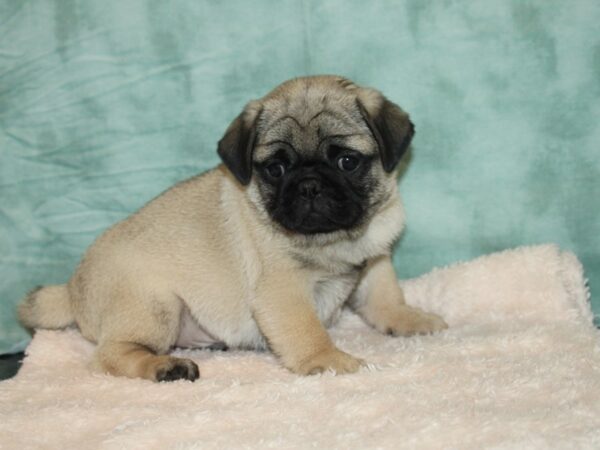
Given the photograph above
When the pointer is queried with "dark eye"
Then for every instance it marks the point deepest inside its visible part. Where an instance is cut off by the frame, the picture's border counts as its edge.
(348, 163)
(275, 169)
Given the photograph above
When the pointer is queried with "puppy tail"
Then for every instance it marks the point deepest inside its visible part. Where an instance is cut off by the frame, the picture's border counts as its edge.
(46, 307)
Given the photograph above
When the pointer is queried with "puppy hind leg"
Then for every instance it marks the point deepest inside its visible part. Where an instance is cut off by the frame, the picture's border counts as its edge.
(134, 360)
(136, 337)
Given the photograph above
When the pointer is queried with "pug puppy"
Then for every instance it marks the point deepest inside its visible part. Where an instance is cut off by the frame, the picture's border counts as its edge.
(260, 252)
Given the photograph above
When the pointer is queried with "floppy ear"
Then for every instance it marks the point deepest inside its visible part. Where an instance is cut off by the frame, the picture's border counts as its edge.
(237, 145)
(392, 130)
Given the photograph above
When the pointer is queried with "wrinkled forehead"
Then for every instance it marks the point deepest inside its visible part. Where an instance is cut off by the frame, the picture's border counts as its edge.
(309, 120)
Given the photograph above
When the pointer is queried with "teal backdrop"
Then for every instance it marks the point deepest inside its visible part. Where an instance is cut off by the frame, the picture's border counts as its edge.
(104, 104)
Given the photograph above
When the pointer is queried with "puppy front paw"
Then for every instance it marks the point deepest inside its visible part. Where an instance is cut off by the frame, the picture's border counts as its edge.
(408, 321)
(330, 359)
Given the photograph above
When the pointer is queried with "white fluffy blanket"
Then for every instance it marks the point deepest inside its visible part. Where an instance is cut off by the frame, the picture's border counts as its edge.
(519, 367)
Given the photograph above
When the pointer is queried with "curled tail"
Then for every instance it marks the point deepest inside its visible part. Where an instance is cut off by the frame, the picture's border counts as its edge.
(46, 307)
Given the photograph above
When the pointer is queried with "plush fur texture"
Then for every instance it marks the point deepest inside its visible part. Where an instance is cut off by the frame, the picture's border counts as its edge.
(519, 367)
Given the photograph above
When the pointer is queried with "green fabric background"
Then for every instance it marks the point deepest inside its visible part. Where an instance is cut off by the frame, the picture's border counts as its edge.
(104, 104)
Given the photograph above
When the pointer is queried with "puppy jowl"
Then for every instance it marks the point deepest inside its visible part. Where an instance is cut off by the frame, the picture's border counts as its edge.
(260, 252)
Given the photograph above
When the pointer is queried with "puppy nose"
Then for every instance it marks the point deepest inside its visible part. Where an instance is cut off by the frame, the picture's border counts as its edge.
(309, 188)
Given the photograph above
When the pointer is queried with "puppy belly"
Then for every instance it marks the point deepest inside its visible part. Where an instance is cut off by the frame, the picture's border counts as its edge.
(330, 294)
(192, 335)
(243, 334)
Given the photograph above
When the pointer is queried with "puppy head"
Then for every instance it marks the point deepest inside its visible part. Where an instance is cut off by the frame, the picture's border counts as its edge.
(319, 153)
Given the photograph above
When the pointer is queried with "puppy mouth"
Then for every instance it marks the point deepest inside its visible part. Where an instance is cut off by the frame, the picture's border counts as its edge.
(318, 216)
(315, 222)
(317, 200)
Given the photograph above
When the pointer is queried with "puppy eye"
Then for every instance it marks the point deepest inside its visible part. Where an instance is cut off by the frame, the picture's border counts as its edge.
(348, 163)
(275, 169)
